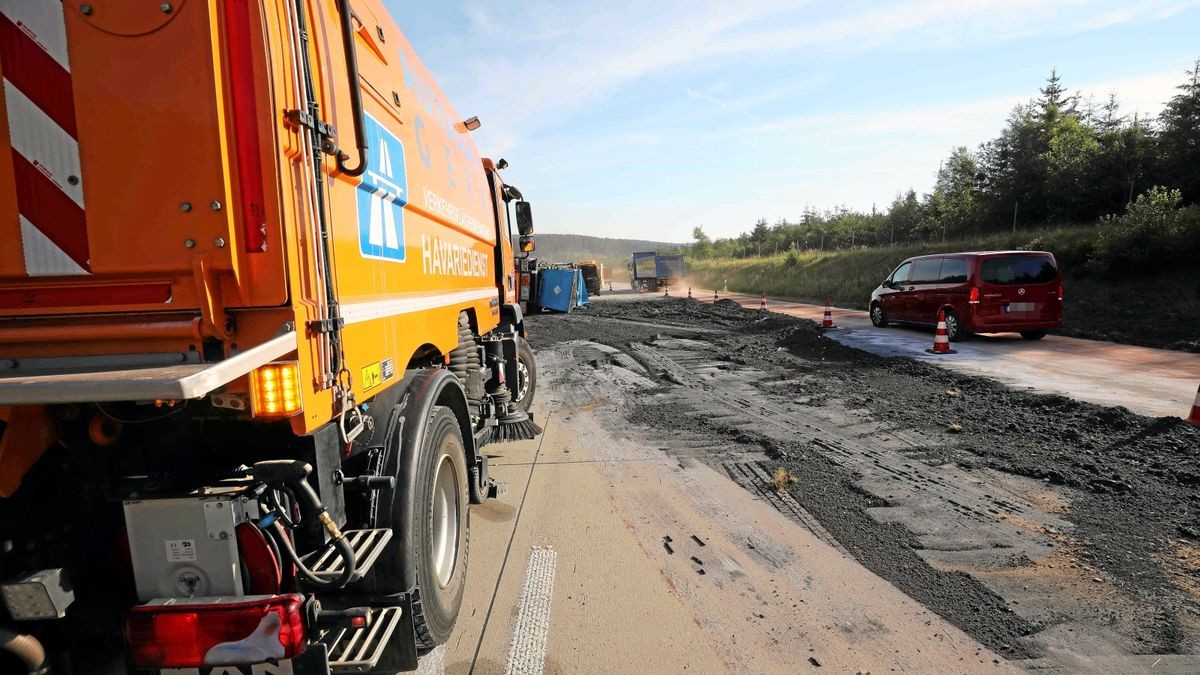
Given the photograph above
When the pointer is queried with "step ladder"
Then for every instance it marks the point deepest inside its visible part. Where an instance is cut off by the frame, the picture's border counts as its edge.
(357, 650)
(367, 545)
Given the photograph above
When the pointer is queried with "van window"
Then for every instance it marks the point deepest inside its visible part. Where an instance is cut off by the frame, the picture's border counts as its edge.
(954, 271)
(1026, 269)
(900, 276)
(926, 271)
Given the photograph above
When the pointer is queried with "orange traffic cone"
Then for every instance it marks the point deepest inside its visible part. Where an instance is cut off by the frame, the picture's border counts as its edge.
(689, 292)
(941, 341)
(827, 320)
(762, 304)
(1194, 418)
(715, 298)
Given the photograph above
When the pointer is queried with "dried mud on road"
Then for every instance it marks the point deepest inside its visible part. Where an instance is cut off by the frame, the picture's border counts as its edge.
(1045, 528)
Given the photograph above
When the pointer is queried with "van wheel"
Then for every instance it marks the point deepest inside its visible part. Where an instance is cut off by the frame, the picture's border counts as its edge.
(878, 318)
(1033, 334)
(954, 329)
(441, 519)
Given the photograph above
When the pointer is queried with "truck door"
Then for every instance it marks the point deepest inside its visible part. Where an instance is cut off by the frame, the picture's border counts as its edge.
(505, 275)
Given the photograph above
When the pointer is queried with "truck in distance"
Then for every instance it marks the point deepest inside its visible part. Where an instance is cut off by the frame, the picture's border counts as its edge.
(649, 271)
(593, 275)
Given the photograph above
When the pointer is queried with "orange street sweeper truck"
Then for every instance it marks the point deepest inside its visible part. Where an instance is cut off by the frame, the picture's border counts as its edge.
(258, 325)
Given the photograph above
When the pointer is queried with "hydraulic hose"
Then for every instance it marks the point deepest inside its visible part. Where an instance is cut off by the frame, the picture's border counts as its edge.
(27, 648)
(294, 474)
(345, 552)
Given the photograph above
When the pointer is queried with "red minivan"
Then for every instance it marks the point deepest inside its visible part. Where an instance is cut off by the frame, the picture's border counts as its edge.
(981, 292)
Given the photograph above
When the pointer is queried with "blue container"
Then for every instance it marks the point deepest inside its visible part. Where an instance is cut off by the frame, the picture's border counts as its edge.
(558, 288)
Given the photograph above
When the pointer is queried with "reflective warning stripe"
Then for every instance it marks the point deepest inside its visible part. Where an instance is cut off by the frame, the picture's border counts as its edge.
(40, 107)
(39, 140)
(378, 309)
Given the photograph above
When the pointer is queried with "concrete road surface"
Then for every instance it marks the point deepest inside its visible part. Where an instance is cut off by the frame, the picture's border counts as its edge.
(1154, 382)
(606, 556)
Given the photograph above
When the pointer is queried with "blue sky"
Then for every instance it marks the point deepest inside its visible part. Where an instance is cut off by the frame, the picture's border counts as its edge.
(645, 119)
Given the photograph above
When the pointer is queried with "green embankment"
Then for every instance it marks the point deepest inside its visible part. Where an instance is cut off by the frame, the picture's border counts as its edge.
(1156, 308)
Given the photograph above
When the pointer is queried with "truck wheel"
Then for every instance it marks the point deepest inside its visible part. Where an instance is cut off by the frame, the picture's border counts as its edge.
(526, 376)
(441, 519)
(1033, 334)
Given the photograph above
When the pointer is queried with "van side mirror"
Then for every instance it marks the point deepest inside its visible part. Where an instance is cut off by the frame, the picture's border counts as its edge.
(524, 218)
(526, 243)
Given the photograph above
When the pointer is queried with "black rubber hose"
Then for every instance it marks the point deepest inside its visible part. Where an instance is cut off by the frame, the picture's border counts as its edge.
(27, 648)
(349, 561)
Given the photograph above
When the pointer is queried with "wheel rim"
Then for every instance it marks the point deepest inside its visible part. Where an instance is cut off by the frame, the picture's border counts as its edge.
(876, 315)
(951, 326)
(522, 380)
(445, 521)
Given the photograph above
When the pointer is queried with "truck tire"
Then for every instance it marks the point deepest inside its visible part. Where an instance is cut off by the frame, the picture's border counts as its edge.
(526, 376)
(442, 520)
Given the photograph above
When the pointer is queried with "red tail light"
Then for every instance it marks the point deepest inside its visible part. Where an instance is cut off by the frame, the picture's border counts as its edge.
(216, 634)
(974, 300)
(1060, 291)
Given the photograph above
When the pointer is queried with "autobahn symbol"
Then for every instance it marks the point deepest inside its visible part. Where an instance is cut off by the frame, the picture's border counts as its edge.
(382, 195)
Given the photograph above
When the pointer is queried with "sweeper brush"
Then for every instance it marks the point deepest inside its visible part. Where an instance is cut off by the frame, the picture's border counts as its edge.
(515, 426)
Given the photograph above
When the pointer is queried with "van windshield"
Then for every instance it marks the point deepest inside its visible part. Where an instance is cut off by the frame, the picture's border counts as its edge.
(1023, 269)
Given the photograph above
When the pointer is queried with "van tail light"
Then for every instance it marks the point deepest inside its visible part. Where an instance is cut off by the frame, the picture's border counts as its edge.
(974, 299)
(1060, 291)
(216, 633)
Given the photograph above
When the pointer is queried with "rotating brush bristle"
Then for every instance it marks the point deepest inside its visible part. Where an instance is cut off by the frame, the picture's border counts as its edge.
(515, 426)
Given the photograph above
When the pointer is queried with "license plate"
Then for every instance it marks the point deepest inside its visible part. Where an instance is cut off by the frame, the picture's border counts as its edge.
(281, 668)
(1020, 307)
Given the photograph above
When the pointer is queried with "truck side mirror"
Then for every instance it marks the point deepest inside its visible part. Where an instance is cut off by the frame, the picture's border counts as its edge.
(524, 219)
(526, 243)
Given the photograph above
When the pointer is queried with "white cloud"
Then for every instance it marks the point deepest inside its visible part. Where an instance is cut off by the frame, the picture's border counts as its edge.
(572, 56)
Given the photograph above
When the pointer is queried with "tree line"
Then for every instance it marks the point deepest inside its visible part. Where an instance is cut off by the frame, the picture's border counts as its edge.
(1061, 159)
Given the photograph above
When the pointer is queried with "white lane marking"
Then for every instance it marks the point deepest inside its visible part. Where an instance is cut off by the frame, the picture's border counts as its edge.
(40, 140)
(527, 654)
(433, 663)
(365, 311)
(44, 22)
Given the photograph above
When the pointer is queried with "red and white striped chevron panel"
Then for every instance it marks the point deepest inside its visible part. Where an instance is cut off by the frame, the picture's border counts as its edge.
(40, 104)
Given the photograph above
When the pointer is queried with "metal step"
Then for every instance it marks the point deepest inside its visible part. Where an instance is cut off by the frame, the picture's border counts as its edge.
(367, 545)
(356, 650)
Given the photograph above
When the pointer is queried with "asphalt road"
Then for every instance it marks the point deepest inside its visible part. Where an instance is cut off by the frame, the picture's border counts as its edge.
(1154, 382)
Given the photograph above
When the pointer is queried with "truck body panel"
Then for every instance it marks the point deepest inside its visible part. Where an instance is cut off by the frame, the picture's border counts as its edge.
(669, 268)
(168, 237)
(644, 266)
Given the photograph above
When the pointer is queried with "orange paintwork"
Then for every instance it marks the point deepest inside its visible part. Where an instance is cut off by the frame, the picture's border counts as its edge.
(154, 114)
